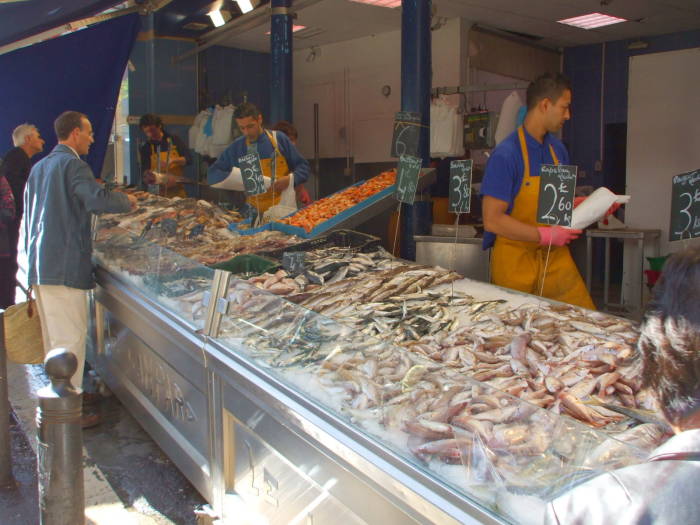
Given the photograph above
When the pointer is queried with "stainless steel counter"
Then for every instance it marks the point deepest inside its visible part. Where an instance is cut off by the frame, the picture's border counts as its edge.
(462, 254)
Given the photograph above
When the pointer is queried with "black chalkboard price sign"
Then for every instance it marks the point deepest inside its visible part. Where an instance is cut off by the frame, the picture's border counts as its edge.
(555, 203)
(407, 178)
(685, 206)
(252, 174)
(460, 195)
(293, 262)
(406, 134)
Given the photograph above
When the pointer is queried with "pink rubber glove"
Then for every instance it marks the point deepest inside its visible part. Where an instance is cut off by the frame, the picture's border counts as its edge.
(556, 235)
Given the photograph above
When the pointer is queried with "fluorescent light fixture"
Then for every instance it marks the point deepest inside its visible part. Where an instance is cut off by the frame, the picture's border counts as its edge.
(216, 18)
(380, 3)
(245, 5)
(592, 21)
(295, 28)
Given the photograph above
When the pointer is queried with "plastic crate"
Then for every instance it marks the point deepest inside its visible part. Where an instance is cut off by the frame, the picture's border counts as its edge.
(345, 238)
(247, 265)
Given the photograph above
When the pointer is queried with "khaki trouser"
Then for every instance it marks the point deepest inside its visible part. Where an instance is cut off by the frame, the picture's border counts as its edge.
(64, 322)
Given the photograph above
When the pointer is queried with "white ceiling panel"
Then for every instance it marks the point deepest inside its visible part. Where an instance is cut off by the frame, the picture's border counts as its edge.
(337, 20)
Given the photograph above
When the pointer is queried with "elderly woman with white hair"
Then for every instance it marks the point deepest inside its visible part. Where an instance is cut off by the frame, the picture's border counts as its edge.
(664, 489)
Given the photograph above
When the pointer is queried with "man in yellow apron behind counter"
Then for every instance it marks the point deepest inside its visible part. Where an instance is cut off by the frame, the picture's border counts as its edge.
(273, 147)
(163, 158)
(527, 256)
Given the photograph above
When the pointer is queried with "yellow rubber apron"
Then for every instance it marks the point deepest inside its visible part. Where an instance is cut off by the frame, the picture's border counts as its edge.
(520, 265)
(159, 163)
(263, 201)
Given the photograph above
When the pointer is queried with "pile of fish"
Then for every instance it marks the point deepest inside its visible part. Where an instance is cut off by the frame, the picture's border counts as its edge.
(559, 357)
(178, 218)
(499, 437)
(192, 228)
(324, 266)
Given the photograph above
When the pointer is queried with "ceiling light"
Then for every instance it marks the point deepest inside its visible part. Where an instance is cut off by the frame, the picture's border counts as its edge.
(380, 3)
(295, 28)
(245, 6)
(592, 21)
(216, 18)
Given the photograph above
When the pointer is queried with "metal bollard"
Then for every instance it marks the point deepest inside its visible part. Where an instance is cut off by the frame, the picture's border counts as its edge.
(60, 444)
(6, 479)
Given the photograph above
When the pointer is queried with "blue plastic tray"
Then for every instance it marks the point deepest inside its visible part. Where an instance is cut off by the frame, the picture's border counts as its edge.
(336, 220)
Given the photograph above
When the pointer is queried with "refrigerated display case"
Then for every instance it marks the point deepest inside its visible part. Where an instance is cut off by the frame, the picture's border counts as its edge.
(278, 414)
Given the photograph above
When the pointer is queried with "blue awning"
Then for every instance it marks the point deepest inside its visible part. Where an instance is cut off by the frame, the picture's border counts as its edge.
(27, 18)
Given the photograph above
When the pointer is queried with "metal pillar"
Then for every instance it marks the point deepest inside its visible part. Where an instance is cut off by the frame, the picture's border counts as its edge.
(416, 82)
(60, 444)
(281, 54)
(6, 478)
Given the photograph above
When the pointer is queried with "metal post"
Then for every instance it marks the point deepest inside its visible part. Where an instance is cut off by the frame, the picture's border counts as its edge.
(60, 444)
(416, 82)
(281, 48)
(6, 478)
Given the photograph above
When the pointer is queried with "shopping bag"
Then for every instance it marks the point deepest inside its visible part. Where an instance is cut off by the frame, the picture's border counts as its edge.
(23, 340)
(286, 206)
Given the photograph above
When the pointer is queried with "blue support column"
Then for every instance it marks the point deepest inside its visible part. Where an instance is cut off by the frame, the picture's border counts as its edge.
(416, 82)
(281, 50)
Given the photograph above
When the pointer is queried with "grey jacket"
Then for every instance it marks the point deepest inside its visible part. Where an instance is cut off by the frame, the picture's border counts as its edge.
(60, 196)
(665, 489)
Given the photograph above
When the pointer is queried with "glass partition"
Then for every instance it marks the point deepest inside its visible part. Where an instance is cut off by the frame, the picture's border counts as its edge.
(503, 453)
(171, 280)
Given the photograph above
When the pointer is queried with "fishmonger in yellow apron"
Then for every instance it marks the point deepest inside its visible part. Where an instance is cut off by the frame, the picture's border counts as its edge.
(263, 201)
(520, 265)
(159, 163)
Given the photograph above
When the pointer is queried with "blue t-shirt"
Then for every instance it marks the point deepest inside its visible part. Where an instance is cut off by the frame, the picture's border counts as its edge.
(505, 169)
(229, 158)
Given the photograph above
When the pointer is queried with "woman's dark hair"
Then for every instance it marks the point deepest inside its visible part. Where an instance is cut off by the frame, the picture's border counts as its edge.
(549, 85)
(149, 119)
(66, 122)
(287, 128)
(670, 337)
(246, 110)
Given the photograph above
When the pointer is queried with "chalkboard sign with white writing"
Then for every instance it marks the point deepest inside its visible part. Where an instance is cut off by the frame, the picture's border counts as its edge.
(555, 203)
(460, 195)
(406, 134)
(293, 262)
(251, 172)
(685, 206)
(407, 178)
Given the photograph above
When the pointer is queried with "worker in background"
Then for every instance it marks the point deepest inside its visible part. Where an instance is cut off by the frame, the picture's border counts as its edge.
(527, 256)
(273, 147)
(291, 131)
(664, 488)
(163, 158)
(15, 169)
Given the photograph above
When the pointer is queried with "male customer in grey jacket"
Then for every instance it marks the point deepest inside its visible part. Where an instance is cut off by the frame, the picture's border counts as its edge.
(60, 196)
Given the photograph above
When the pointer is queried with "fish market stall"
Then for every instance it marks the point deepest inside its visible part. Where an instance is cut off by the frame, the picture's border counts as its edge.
(363, 389)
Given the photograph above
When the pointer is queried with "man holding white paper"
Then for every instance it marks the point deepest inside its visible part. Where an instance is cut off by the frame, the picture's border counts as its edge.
(527, 256)
(276, 153)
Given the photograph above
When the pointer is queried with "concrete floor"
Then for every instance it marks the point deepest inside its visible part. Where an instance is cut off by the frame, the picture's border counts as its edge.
(128, 479)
